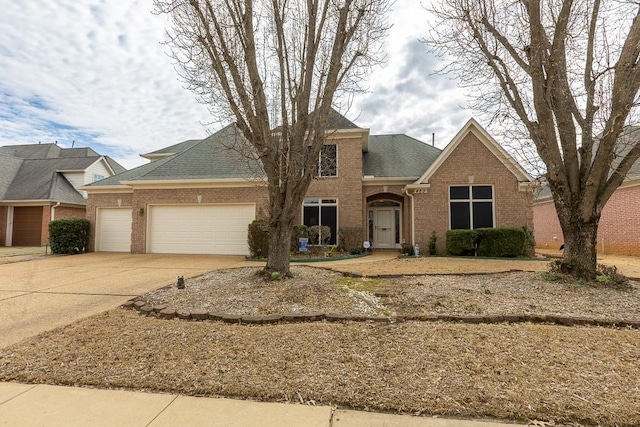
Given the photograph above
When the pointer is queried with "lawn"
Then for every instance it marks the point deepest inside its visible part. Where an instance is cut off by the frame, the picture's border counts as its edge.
(511, 371)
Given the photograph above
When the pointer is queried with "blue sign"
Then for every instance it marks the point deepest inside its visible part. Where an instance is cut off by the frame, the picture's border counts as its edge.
(303, 244)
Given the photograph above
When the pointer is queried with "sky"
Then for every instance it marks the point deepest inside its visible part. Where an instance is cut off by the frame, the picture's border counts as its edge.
(94, 73)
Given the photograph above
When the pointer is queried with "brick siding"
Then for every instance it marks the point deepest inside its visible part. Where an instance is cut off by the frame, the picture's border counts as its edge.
(618, 231)
(470, 159)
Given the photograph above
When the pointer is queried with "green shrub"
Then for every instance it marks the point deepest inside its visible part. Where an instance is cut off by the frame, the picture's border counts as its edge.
(69, 235)
(319, 234)
(461, 242)
(258, 239)
(432, 243)
(350, 239)
(501, 242)
(299, 231)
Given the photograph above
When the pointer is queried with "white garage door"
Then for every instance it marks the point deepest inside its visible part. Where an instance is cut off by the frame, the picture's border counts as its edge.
(200, 229)
(113, 232)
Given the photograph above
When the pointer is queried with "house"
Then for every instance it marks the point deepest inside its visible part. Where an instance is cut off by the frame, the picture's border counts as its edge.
(39, 183)
(199, 196)
(619, 227)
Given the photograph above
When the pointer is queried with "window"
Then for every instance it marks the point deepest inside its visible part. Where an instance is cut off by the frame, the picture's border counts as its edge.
(471, 206)
(97, 177)
(321, 212)
(327, 161)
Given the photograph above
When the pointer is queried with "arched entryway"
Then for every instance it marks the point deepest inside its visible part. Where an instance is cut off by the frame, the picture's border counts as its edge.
(384, 222)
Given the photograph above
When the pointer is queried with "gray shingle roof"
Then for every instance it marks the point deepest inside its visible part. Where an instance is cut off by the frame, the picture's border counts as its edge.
(209, 158)
(176, 148)
(397, 156)
(32, 172)
(37, 179)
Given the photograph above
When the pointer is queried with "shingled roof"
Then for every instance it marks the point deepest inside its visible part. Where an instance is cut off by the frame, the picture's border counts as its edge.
(397, 156)
(215, 157)
(34, 172)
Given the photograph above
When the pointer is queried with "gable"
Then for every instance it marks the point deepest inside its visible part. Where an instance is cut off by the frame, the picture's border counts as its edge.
(471, 150)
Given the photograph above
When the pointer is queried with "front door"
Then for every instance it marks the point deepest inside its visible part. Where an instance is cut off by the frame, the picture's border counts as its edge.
(384, 228)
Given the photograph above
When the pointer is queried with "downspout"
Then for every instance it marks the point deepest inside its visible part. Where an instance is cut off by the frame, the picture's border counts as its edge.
(413, 217)
(53, 211)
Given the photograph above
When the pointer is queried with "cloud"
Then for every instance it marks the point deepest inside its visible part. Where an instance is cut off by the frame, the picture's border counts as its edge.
(96, 73)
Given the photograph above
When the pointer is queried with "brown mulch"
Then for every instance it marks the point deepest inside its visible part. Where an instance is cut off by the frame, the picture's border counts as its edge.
(586, 375)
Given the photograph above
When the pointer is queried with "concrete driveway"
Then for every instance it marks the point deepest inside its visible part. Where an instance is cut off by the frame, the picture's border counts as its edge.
(44, 293)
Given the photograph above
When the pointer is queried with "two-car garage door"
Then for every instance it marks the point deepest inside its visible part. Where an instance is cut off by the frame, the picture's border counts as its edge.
(199, 229)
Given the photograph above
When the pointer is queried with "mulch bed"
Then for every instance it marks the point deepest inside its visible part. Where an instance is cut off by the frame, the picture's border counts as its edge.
(579, 375)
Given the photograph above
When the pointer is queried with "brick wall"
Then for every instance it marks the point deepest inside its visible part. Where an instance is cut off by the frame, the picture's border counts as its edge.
(347, 186)
(143, 198)
(470, 163)
(618, 231)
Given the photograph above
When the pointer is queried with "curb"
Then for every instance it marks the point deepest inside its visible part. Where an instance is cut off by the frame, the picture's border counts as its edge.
(162, 312)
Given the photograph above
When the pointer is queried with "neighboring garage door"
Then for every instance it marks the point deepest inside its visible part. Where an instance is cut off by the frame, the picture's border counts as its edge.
(200, 229)
(113, 230)
(27, 226)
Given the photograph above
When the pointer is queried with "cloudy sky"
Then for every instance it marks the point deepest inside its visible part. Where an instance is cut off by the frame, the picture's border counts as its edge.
(95, 72)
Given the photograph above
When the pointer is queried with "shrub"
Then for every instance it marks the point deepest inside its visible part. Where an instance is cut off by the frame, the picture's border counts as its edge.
(69, 235)
(501, 242)
(299, 231)
(258, 239)
(319, 234)
(406, 249)
(350, 239)
(461, 242)
(432, 243)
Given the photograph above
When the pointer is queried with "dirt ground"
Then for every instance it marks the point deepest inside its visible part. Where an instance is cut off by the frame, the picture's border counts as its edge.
(536, 373)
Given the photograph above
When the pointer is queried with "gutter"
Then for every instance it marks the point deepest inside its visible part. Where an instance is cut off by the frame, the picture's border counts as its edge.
(53, 211)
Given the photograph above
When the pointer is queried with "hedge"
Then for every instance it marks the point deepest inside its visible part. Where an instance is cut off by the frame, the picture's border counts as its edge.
(69, 235)
(258, 239)
(487, 242)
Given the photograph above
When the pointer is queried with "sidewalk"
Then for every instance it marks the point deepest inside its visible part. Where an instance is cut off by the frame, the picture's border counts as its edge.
(45, 405)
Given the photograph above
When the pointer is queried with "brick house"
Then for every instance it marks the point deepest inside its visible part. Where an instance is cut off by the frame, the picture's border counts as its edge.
(199, 196)
(39, 183)
(619, 227)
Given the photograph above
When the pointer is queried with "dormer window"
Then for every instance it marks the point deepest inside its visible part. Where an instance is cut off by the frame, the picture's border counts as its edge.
(97, 177)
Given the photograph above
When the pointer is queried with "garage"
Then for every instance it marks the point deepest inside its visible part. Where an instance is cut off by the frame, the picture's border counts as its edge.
(113, 230)
(219, 229)
(27, 226)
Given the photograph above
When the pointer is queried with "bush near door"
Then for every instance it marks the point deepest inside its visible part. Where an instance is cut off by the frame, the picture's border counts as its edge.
(68, 235)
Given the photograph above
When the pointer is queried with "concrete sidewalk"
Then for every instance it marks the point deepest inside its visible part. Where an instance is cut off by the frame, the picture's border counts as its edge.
(45, 405)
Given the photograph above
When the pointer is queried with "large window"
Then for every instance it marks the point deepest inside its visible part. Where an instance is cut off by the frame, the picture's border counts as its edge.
(327, 161)
(321, 212)
(471, 206)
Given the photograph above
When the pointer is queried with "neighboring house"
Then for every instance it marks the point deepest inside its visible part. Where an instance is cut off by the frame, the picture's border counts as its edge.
(619, 227)
(38, 183)
(199, 196)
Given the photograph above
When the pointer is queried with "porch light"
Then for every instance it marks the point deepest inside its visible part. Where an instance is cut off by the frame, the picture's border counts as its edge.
(180, 284)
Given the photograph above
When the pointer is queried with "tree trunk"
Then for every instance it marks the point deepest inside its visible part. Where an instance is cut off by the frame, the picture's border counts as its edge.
(279, 247)
(580, 247)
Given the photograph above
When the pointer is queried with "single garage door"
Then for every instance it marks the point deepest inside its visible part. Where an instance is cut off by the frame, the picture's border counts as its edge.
(200, 229)
(27, 226)
(113, 230)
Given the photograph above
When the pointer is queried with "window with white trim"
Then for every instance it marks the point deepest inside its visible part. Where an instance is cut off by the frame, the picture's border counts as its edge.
(97, 177)
(471, 206)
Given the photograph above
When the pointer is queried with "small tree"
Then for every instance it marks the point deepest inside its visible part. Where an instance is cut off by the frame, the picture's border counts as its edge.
(274, 67)
(567, 74)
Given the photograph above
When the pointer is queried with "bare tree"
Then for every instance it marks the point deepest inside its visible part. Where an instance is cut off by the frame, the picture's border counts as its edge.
(274, 68)
(567, 72)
